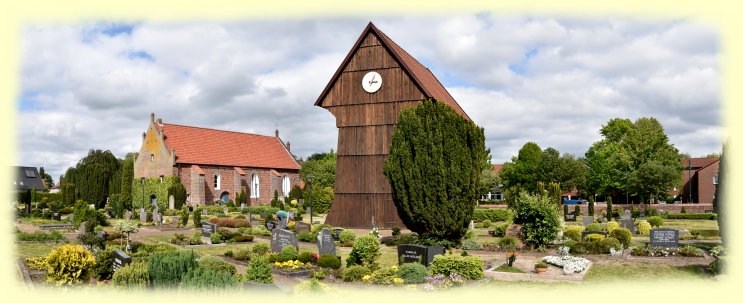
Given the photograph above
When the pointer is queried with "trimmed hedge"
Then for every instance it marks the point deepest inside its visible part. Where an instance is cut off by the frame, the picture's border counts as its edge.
(469, 267)
(132, 275)
(494, 215)
(693, 216)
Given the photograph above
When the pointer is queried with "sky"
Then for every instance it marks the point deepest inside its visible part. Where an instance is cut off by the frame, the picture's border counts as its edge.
(553, 80)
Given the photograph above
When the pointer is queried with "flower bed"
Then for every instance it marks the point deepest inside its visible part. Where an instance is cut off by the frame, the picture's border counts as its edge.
(292, 269)
(568, 263)
(686, 251)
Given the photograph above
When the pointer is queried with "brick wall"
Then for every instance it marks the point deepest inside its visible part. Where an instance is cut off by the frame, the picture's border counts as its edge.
(673, 208)
(201, 188)
(154, 159)
(705, 187)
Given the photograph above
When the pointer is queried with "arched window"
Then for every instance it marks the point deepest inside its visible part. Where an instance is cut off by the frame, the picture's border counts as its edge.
(255, 185)
(286, 186)
(225, 197)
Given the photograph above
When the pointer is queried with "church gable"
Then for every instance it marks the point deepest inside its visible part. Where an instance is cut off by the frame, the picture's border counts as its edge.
(154, 158)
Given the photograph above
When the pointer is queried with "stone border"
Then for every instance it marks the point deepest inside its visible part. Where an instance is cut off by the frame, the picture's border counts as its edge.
(537, 277)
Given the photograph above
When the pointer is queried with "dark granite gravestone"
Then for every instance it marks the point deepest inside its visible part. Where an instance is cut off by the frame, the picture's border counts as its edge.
(281, 238)
(56, 216)
(208, 228)
(120, 259)
(102, 234)
(128, 215)
(586, 233)
(301, 226)
(337, 233)
(271, 225)
(142, 215)
(570, 217)
(628, 224)
(587, 220)
(325, 243)
(664, 237)
(407, 253)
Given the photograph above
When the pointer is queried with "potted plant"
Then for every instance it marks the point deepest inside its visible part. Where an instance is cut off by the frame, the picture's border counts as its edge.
(540, 267)
(511, 258)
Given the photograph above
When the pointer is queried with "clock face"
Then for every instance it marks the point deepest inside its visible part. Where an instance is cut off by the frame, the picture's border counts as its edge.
(371, 82)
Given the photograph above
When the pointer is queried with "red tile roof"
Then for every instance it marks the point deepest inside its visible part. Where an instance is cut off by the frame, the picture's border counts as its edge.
(497, 168)
(199, 170)
(698, 163)
(196, 145)
(240, 171)
(421, 75)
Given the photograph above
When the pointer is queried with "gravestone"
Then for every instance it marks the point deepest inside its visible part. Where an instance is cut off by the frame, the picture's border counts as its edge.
(71, 217)
(102, 234)
(281, 238)
(587, 220)
(337, 233)
(569, 217)
(628, 224)
(626, 215)
(408, 253)
(325, 243)
(664, 237)
(128, 215)
(120, 259)
(142, 215)
(270, 225)
(174, 220)
(156, 216)
(226, 211)
(208, 228)
(82, 227)
(301, 226)
(301, 201)
(472, 225)
(586, 233)
(171, 202)
(56, 216)
(242, 205)
(204, 212)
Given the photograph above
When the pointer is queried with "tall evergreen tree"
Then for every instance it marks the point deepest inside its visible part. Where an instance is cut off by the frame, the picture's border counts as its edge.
(434, 168)
(93, 175)
(127, 175)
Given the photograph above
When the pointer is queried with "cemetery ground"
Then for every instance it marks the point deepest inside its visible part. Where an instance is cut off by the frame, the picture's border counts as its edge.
(604, 268)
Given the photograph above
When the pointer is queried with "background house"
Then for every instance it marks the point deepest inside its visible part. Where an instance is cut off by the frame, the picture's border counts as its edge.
(700, 177)
(28, 178)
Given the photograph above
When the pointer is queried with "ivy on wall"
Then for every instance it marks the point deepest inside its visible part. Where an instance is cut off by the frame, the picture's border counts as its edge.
(152, 186)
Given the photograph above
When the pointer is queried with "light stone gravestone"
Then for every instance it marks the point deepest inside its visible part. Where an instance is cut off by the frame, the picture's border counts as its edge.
(626, 215)
(82, 227)
(472, 225)
(156, 216)
(204, 212)
(226, 211)
(587, 220)
(325, 243)
(71, 217)
(171, 202)
(174, 220)
(628, 224)
(242, 205)
(128, 215)
(281, 238)
(142, 215)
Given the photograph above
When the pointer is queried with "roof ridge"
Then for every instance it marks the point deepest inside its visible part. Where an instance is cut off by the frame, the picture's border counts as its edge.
(219, 130)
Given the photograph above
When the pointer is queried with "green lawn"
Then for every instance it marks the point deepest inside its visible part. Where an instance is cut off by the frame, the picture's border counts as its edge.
(645, 272)
(690, 224)
(34, 249)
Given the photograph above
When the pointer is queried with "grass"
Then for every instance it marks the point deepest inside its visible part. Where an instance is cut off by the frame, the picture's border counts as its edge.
(645, 272)
(690, 224)
(506, 268)
(34, 249)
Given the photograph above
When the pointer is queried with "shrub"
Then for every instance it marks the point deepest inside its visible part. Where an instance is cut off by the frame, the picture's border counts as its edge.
(576, 210)
(204, 278)
(184, 216)
(197, 217)
(229, 253)
(384, 276)
(229, 222)
(103, 268)
(643, 228)
(329, 261)
(469, 267)
(610, 226)
(69, 264)
(492, 214)
(259, 271)
(573, 232)
(623, 235)
(594, 238)
(306, 257)
(288, 253)
(608, 243)
(261, 248)
(469, 234)
(242, 238)
(167, 268)
(691, 251)
(655, 221)
(216, 238)
(508, 243)
(500, 229)
(133, 275)
(651, 211)
(395, 232)
(593, 227)
(243, 255)
(365, 251)
(487, 223)
(693, 216)
(346, 236)
(54, 235)
(195, 238)
(565, 209)
(608, 208)
(471, 244)
(355, 273)
(591, 206)
(217, 264)
(306, 236)
(412, 273)
(539, 219)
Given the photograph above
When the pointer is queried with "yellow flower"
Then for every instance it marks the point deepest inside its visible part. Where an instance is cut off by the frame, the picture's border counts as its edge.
(398, 280)
(366, 278)
(277, 264)
(394, 267)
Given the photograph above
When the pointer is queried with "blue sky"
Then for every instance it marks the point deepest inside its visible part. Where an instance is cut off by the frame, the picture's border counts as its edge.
(550, 80)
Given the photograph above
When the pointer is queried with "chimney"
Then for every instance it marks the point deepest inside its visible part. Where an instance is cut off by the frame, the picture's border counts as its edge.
(152, 117)
(289, 146)
(277, 133)
(160, 121)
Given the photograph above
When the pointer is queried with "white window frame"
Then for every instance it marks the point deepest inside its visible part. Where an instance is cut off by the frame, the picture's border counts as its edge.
(286, 185)
(217, 181)
(255, 186)
(715, 180)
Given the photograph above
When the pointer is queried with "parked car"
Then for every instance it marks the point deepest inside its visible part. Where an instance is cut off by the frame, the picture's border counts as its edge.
(572, 202)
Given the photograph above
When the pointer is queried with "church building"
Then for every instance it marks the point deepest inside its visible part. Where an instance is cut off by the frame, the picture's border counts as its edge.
(217, 164)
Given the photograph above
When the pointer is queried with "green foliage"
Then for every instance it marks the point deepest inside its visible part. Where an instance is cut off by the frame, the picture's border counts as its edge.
(591, 206)
(103, 268)
(178, 192)
(68, 193)
(167, 268)
(306, 236)
(574, 232)
(216, 264)
(127, 177)
(500, 229)
(259, 270)
(132, 275)
(610, 226)
(365, 252)
(594, 227)
(197, 217)
(288, 253)
(355, 273)
(492, 214)
(469, 267)
(623, 235)
(347, 236)
(184, 215)
(92, 176)
(69, 264)
(38, 235)
(153, 186)
(576, 211)
(261, 248)
(487, 223)
(533, 166)
(243, 255)
(609, 212)
(329, 261)
(208, 279)
(241, 197)
(594, 237)
(693, 216)
(539, 219)
(306, 257)
(508, 243)
(383, 276)
(655, 221)
(434, 167)
(412, 273)
(471, 244)
(322, 168)
(643, 228)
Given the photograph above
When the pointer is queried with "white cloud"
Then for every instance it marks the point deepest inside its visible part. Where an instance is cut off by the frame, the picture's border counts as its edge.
(551, 80)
